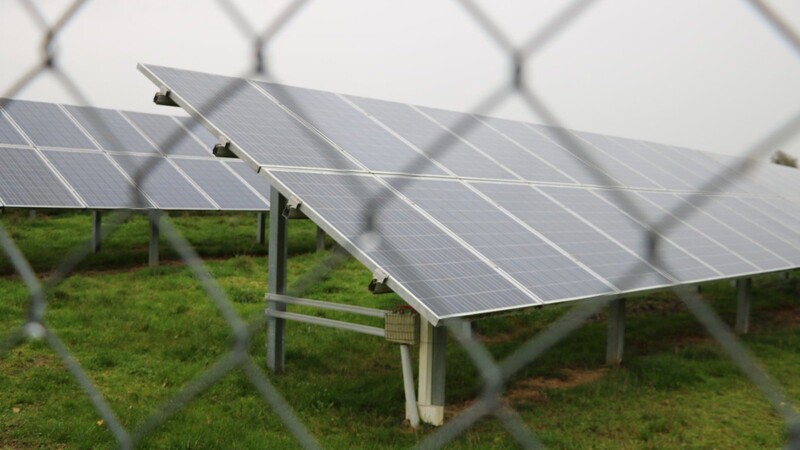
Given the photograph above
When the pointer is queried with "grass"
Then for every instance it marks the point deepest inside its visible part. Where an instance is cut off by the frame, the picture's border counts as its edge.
(142, 333)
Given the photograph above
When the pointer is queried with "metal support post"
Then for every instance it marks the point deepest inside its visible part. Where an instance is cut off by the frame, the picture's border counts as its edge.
(154, 237)
(412, 414)
(432, 363)
(96, 236)
(786, 275)
(744, 289)
(320, 239)
(261, 230)
(616, 332)
(32, 214)
(278, 254)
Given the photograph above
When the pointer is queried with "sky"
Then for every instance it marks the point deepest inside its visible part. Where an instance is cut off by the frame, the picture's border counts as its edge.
(709, 75)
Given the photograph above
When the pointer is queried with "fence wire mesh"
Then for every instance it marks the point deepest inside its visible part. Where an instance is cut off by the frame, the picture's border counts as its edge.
(495, 374)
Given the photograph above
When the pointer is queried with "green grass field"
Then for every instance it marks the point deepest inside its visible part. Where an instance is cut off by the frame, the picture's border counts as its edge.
(142, 333)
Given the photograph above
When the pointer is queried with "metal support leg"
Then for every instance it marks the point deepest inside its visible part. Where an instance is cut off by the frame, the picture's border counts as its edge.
(744, 290)
(32, 214)
(261, 230)
(412, 414)
(432, 363)
(154, 237)
(786, 275)
(616, 332)
(278, 253)
(320, 239)
(96, 237)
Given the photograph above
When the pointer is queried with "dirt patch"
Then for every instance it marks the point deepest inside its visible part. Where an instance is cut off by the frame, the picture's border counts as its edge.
(530, 390)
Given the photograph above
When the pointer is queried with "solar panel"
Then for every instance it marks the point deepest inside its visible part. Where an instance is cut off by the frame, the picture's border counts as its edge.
(27, 181)
(645, 161)
(691, 239)
(683, 266)
(530, 219)
(254, 180)
(619, 164)
(547, 150)
(545, 271)
(47, 125)
(110, 130)
(617, 264)
(352, 131)
(96, 179)
(714, 226)
(225, 188)
(253, 121)
(9, 135)
(440, 274)
(169, 137)
(199, 131)
(157, 178)
(433, 140)
(715, 206)
(512, 156)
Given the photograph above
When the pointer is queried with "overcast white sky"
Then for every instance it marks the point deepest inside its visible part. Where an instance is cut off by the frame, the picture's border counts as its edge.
(703, 74)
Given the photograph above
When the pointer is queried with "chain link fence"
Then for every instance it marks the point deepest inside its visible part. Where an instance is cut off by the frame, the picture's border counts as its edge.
(494, 373)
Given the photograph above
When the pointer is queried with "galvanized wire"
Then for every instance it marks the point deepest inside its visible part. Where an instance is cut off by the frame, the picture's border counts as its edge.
(495, 374)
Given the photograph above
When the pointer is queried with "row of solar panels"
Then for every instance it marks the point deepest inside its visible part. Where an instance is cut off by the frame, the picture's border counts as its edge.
(503, 216)
(57, 156)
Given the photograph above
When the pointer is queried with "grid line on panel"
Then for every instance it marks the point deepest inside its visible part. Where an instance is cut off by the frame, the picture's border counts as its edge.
(347, 126)
(626, 166)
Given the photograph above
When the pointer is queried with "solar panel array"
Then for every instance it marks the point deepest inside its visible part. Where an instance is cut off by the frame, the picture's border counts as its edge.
(476, 215)
(58, 156)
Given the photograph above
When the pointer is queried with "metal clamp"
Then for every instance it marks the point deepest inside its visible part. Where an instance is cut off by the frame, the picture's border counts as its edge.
(378, 283)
